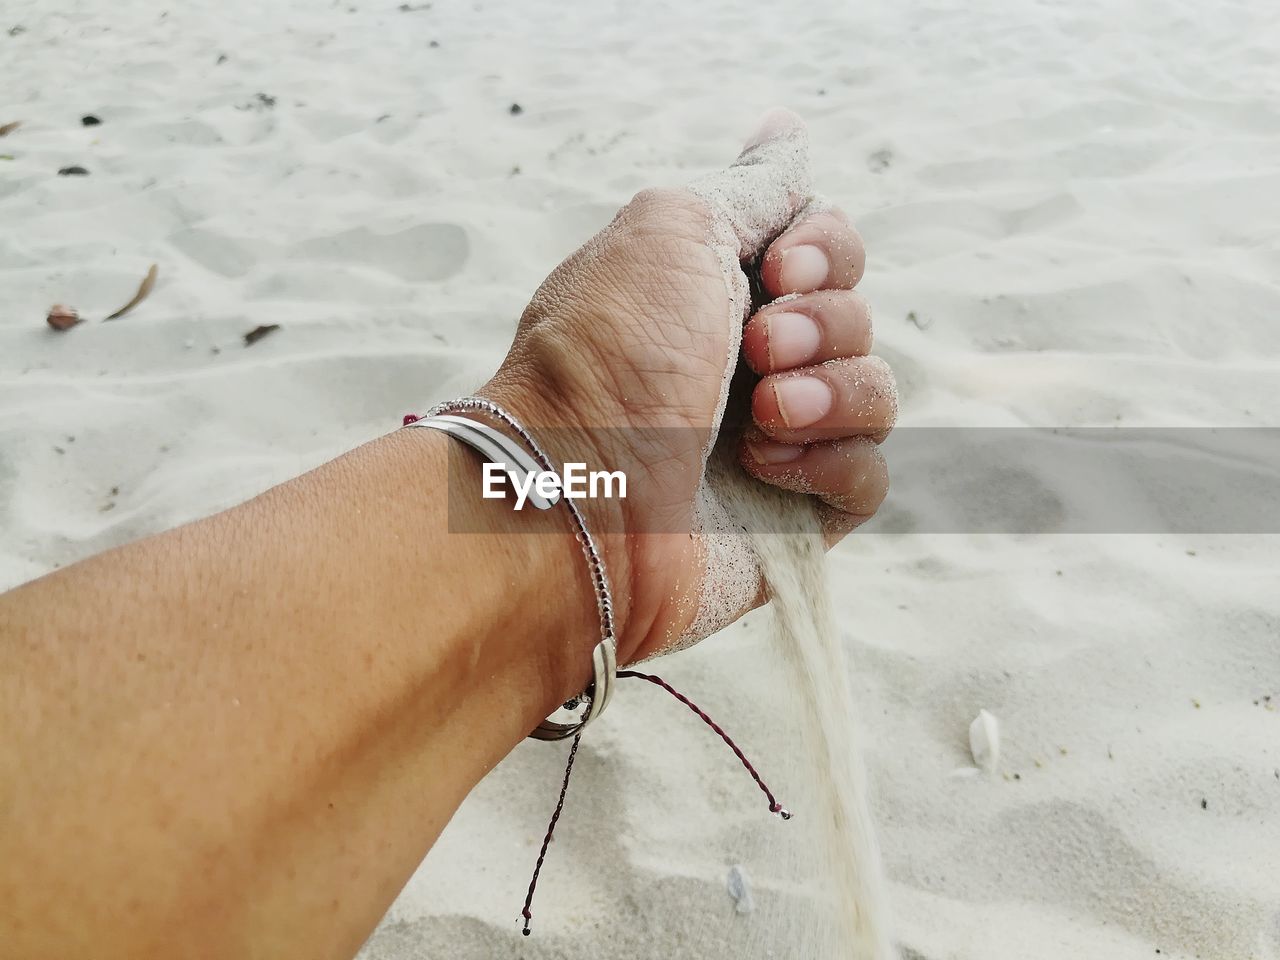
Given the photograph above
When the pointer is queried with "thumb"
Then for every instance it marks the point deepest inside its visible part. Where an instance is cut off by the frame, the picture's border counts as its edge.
(769, 183)
(776, 124)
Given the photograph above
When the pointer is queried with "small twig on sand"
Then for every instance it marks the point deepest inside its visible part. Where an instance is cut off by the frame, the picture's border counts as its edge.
(257, 333)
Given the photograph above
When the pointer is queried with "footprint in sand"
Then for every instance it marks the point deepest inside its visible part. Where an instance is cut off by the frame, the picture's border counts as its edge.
(428, 251)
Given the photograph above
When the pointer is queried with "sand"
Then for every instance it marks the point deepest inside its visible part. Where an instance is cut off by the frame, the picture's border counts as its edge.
(1077, 205)
(836, 851)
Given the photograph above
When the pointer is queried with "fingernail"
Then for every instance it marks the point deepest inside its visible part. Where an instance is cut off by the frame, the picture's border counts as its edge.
(792, 339)
(803, 400)
(770, 453)
(804, 268)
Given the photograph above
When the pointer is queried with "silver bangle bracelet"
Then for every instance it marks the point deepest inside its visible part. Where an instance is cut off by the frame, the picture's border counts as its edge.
(496, 447)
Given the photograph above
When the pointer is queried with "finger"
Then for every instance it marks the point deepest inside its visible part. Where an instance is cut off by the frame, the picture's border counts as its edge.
(821, 252)
(814, 328)
(764, 189)
(839, 398)
(836, 524)
(849, 475)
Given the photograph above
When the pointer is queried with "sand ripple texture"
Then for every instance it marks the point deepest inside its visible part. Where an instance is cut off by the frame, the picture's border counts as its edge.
(1077, 204)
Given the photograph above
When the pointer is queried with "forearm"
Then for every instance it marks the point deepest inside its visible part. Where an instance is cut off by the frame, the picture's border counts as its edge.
(245, 733)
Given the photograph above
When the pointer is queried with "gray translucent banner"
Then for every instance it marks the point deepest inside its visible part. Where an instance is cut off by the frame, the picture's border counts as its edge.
(1083, 480)
(977, 480)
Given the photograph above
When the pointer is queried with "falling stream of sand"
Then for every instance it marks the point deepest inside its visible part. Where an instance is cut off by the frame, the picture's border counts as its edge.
(750, 531)
(848, 913)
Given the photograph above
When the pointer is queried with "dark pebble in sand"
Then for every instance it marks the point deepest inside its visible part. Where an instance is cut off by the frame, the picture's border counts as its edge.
(880, 160)
(73, 172)
(89, 120)
(260, 101)
(222, 58)
(515, 109)
(257, 333)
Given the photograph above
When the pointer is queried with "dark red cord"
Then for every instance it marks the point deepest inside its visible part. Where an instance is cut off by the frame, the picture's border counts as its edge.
(546, 841)
(774, 805)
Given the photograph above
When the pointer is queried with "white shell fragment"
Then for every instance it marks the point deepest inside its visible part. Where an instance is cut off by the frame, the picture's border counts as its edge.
(740, 889)
(984, 741)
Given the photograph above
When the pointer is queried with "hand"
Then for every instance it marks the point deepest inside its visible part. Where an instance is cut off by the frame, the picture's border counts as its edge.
(629, 346)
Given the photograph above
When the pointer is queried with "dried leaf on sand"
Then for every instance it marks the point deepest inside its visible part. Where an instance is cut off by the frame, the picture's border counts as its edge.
(148, 284)
(8, 128)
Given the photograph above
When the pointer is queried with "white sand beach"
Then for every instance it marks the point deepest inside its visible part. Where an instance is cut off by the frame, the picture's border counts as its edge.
(1070, 213)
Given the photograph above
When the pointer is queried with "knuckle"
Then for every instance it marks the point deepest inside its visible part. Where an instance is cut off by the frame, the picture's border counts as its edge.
(880, 383)
(855, 318)
(651, 197)
(668, 210)
(866, 482)
(658, 201)
(879, 373)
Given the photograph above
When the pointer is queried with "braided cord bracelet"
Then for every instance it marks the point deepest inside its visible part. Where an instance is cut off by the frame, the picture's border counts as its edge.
(498, 448)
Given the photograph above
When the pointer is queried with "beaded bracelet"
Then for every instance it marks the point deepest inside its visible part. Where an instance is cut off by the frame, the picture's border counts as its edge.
(498, 448)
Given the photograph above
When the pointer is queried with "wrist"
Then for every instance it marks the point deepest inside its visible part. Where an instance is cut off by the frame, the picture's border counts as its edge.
(515, 584)
(552, 422)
